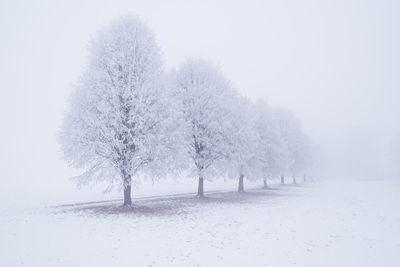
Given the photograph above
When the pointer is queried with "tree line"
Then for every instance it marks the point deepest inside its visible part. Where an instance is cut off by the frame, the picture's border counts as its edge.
(129, 118)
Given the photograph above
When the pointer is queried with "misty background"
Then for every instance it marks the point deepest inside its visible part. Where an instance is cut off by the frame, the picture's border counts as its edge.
(335, 64)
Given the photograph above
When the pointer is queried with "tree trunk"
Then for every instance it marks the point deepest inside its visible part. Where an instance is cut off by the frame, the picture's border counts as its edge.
(241, 186)
(294, 180)
(127, 190)
(282, 179)
(200, 190)
(265, 183)
(127, 195)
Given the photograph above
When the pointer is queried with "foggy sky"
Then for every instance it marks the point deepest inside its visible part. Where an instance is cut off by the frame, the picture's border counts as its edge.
(335, 64)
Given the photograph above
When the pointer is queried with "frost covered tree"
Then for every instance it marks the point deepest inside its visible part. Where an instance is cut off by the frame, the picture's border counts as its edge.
(271, 147)
(244, 156)
(205, 103)
(120, 125)
(293, 136)
(304, 162)
(299, 150)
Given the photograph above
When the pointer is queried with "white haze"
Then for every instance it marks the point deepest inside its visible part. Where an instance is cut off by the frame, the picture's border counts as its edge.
(335, 64)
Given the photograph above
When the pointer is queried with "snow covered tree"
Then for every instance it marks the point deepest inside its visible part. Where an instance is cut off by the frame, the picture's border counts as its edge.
(243, 157)
(304, 162)
(205, 96)
(120, 125)
(299, 150)
(293, 136)
(272, 148)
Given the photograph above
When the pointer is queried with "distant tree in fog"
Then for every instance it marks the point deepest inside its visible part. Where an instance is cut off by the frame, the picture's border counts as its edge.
(295, 140)
(120, 124)
(272, 149)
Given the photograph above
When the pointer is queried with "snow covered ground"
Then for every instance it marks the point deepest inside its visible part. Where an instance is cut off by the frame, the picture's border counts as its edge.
(346, 223)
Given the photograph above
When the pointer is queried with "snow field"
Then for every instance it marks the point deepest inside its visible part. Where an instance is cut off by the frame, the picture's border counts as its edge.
(325, 224)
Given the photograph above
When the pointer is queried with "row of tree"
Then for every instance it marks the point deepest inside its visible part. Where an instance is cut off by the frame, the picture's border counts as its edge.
(129, 118)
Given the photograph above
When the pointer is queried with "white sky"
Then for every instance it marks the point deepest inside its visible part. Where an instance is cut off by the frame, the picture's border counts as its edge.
(335, 64)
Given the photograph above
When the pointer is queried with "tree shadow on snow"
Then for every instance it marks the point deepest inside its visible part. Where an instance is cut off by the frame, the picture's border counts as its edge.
(172, 206)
